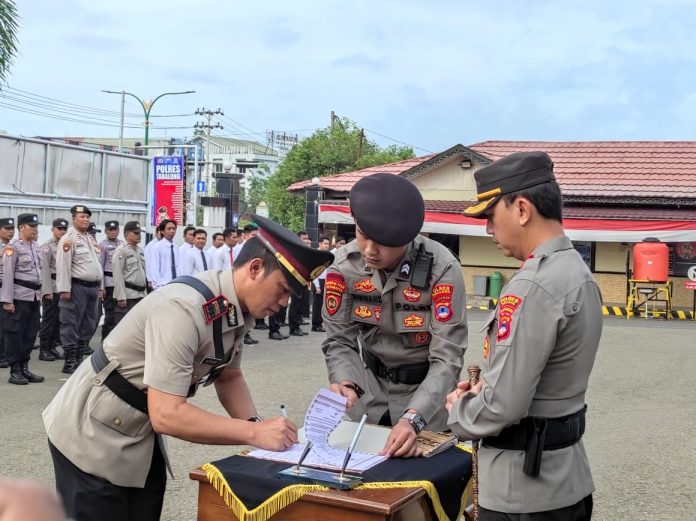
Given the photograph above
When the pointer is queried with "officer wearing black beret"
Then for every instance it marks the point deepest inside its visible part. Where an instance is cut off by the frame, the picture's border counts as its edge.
(49, 333)
(103, 441)
(395, 313)
(7, 230)
(528, 409)
(21, 296)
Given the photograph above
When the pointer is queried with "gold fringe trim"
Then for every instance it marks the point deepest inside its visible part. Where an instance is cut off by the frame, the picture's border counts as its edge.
(292, 493)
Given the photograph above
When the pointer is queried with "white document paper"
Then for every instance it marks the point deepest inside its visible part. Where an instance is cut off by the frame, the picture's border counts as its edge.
(323, 417)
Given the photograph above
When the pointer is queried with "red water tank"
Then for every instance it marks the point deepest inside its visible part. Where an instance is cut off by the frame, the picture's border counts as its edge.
(650, 260)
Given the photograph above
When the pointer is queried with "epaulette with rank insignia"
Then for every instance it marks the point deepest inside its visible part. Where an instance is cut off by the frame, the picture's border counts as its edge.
(215, 308)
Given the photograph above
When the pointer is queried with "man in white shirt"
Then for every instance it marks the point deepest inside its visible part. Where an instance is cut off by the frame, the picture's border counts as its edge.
(223, 256)
(318, 291)
(149, 261)
(195, 260)
(250, 230)
(185, 246)
(166, 264)
(216, 242)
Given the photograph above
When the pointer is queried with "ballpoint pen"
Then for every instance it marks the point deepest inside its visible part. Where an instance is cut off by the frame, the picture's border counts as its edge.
(353, 443)
(305, 452)
(283, 411)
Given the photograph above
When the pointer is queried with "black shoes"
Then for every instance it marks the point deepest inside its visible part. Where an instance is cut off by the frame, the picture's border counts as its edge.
(46, 355)
(250, 341)
(277, 335)
(319, 329)
(31, 377)
(261, 326)
(297, 332)
(56, 353)
(16, 375)
(70, 363)
(4, 364)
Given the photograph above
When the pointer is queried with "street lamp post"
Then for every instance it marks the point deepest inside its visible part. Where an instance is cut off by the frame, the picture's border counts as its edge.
(147, 107)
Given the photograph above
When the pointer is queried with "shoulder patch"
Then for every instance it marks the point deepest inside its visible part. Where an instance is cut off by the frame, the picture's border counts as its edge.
(9, 251)
(334, 288)
(67, 244)
(506, 308)
(46, 249)
(486, 347)
(442, 301)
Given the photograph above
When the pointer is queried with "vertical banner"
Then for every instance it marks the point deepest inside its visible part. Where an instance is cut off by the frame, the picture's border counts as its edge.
(169, 189)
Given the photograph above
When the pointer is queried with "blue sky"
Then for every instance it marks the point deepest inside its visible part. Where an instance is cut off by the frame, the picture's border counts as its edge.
(431, 74)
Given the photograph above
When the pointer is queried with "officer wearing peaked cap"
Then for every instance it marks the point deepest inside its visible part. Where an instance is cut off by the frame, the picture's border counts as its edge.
(128, 263)
(107, 247)
(7, 230)
(21, 296)
(79, 281)
(49, 333)
(395, 315)
(529, 408)
(108, 444)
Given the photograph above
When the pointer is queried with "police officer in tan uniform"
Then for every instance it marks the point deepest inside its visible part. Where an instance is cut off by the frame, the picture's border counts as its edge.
(108, 246)
(128, 265)
(529, 408)
(49, 333)
(79, 281)
(105, 431)
(395, 315)
(21, 299)
(7, 230)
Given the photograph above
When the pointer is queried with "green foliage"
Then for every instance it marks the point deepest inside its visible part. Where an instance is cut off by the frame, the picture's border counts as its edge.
(327, 151)
(8, 35)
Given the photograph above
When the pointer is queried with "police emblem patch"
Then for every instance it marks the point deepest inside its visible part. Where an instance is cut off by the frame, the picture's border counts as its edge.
(442, 301)
(486, 347)
(412, 294)
(421, 338)
(414, 320)
(364, 286)
(334, 288)
(363, 312)
(67, 244)
(9, 251)
(506, 307)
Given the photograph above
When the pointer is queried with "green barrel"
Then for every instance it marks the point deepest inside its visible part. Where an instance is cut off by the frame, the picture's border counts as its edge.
(495, 284)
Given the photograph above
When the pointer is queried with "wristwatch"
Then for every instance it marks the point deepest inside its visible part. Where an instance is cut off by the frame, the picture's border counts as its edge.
(255, 418)
(416, 421)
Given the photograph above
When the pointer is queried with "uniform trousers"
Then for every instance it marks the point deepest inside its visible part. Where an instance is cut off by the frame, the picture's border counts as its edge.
(21, 328)
(49, 332)
(119, 313)
(79, 316)
(317, 303)
(297, 304)
(2, 335)
(275, 320)
(87, 497)
(109, 307)
(580, 511)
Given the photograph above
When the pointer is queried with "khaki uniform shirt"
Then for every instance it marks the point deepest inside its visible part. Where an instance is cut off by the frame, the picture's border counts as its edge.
(539, 349)
(400, 325)
(20, 261)
(161, 344)
(105, 255)
(77, 256)
(48, 267)
(2, 254)
(128, 264)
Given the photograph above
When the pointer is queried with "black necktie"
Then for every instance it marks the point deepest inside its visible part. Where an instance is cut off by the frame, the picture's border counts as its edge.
(205, 262)
(173, 263)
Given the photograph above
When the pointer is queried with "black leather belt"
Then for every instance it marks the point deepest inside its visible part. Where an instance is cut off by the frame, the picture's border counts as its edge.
(36, 286)
(535, 435)
(87, 284)
(108, 274)
(403, 374)
(118, 385)
(134, 287)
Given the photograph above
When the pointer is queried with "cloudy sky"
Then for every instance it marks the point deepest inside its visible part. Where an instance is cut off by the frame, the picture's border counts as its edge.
(430, 74)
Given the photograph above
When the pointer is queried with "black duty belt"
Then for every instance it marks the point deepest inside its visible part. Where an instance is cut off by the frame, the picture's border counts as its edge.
(118, 385)
(36, 286)
(87, 284)
(403, 374)
(134, 287)
(535, 435)
(109, 274)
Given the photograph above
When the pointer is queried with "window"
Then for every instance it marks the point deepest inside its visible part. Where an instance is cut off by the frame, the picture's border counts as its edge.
(586, 251)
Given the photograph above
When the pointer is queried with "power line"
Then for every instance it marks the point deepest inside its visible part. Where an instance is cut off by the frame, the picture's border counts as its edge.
(400, 142)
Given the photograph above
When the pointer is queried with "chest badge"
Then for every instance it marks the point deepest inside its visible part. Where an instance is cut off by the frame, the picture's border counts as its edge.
(363, 312)
(215, 308)
(364, 286)
(414, 320)
(412, 294)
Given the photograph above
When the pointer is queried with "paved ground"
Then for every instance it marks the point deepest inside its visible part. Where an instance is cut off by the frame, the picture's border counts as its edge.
(640, 435)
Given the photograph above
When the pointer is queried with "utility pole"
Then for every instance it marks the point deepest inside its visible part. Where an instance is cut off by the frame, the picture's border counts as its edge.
(208, 114)
(361, 138)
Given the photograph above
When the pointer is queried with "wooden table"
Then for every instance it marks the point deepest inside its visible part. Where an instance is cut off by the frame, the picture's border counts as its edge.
(395, 504)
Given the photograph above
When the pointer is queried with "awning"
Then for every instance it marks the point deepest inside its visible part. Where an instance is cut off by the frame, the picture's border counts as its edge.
(593, 230)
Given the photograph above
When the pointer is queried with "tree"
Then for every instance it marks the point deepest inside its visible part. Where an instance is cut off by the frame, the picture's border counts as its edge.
(327, 151)
(8, 35)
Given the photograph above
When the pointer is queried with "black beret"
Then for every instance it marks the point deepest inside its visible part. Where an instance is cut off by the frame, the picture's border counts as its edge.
(387, 208)
(509, 174)
(60, 223)
(111, 224)
(92, 228)
(80, 208)
(28, 218)
(6, 222)
(131, 226)
(299, 263)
